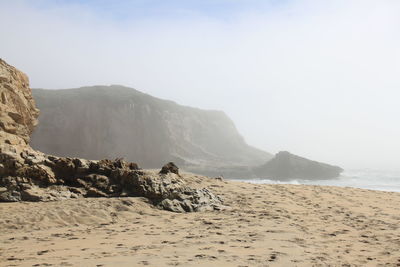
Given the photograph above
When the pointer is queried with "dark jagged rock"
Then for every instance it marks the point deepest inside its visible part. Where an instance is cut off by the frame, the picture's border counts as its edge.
(29, 175)
(286, 166)
(34, 176)
(169, 168)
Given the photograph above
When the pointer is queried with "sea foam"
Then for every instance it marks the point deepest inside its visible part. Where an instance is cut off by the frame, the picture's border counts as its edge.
(365, 179)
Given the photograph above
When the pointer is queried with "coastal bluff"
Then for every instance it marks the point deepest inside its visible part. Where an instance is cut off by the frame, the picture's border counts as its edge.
(97, 122)
(116, 121)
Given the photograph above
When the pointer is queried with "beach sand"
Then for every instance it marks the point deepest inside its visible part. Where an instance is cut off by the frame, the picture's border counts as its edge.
(264, 225)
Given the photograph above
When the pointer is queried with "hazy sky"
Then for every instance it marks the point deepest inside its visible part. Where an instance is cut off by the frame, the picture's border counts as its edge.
(318, 78)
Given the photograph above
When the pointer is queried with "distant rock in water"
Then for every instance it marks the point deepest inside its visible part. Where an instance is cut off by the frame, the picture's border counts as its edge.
(286, 166)
(115, 121)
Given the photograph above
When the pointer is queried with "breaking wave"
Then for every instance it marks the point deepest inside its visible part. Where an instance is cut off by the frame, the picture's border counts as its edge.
(365, 179)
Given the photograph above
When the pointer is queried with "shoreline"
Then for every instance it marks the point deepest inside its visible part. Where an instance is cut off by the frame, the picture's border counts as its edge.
(345, 181)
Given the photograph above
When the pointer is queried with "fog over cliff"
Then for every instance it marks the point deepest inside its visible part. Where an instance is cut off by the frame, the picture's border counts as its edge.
(317, 78)
(100, 122)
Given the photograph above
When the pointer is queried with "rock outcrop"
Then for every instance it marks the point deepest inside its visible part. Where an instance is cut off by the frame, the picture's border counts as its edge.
(286, 166)
(33, 176)
(115, 121)
(18, 114)
(170, 168)
(29, 175)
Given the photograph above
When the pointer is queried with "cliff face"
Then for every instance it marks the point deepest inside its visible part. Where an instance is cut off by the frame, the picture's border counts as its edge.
(114, 121)
(286, 166)
(18, 114)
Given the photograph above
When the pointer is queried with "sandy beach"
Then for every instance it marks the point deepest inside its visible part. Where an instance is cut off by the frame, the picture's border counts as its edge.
(263, 225)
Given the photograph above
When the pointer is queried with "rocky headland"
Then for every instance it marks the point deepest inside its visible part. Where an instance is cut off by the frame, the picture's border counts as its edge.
(30, 175)
(116, 121)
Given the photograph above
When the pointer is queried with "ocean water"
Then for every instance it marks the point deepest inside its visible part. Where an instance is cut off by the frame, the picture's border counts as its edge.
(365, 179)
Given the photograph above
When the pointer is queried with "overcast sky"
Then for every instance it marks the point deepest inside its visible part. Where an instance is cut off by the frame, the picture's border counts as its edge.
(318, 78)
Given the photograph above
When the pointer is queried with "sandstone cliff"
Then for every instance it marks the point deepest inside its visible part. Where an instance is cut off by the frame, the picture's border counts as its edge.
(29, 175)
(115, 121)
(18, 114)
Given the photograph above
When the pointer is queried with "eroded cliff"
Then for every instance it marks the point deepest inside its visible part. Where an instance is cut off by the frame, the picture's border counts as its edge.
(115, 121)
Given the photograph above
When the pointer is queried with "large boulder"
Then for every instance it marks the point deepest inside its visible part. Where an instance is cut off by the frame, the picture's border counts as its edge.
(170, 167)
(286, 166)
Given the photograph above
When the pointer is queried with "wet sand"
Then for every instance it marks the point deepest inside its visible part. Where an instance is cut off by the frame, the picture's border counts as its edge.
(264, 225)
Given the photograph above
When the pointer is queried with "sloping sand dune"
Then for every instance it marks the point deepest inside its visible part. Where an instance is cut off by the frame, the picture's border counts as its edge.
(266, 225)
